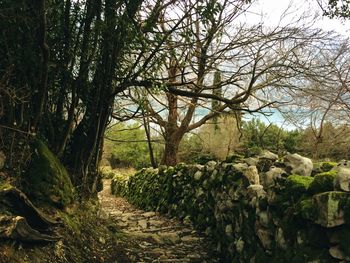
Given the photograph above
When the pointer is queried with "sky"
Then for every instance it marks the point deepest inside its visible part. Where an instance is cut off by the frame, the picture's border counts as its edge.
(270, 12)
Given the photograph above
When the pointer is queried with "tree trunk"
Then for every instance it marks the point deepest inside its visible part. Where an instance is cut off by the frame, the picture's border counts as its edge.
(172, 143)
(40, 97)
(86, 141)
(149, 143)
(84, 150)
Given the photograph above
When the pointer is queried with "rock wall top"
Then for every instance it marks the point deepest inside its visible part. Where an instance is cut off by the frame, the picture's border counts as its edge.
(257, 209)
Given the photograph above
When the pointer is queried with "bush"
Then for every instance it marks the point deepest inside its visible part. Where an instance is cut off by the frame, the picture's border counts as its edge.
(126, 146)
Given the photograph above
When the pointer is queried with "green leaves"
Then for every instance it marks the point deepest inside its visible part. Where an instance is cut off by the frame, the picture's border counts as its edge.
(257, 134)
(125, 145)
(208, 10)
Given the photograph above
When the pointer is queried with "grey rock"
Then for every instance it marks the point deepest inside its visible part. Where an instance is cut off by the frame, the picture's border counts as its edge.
(200, 193)
(102, 240)
(268, 155)
(211, 166)
(342, 178)
(239, 245)
(241, 167)
(198, 175)
(169, 238)
(269, 178)
(264, 219)
(199, 167)
(155, 223)
(256, 191)
(298, 164)
(328, 208)
(143, 224)
(214, 174)
(149, 214)
(337, 253)
(251, 161)
(229, 230)
(343, 163)
(251, 173)
(189, 239)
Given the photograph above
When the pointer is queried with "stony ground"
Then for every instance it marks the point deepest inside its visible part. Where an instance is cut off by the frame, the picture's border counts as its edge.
(150, 237)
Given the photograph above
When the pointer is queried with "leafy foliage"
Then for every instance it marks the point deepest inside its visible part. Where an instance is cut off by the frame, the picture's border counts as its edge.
(126, 146)
(257, 135)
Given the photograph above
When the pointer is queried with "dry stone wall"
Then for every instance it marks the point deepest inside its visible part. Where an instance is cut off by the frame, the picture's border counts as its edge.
(258, 209)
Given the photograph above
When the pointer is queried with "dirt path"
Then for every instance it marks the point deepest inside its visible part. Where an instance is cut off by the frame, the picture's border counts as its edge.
(150, 237)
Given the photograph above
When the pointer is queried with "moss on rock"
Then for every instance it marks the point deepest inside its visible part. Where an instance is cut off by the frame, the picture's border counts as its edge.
(298, 185)
(47, 180)
(327, 166)
(300, 211)
(323, 182)
(307, 209)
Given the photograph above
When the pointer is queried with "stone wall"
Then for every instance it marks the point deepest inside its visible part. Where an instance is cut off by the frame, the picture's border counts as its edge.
(261, 209)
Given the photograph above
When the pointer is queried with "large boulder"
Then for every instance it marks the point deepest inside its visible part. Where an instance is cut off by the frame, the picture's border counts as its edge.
(46, 180)
(297, 164)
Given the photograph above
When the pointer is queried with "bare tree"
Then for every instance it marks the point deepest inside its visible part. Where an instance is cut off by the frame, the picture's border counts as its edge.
(325, 98)
(253, 61)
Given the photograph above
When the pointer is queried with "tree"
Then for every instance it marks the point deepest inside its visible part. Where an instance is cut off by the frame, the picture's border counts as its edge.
(252, 62)
(324, 100)
(64, 62)
(258, 136)
(335, 143)
(335, 8)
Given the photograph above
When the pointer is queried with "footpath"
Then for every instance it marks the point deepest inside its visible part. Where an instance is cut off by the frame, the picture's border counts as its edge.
(151, 237)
